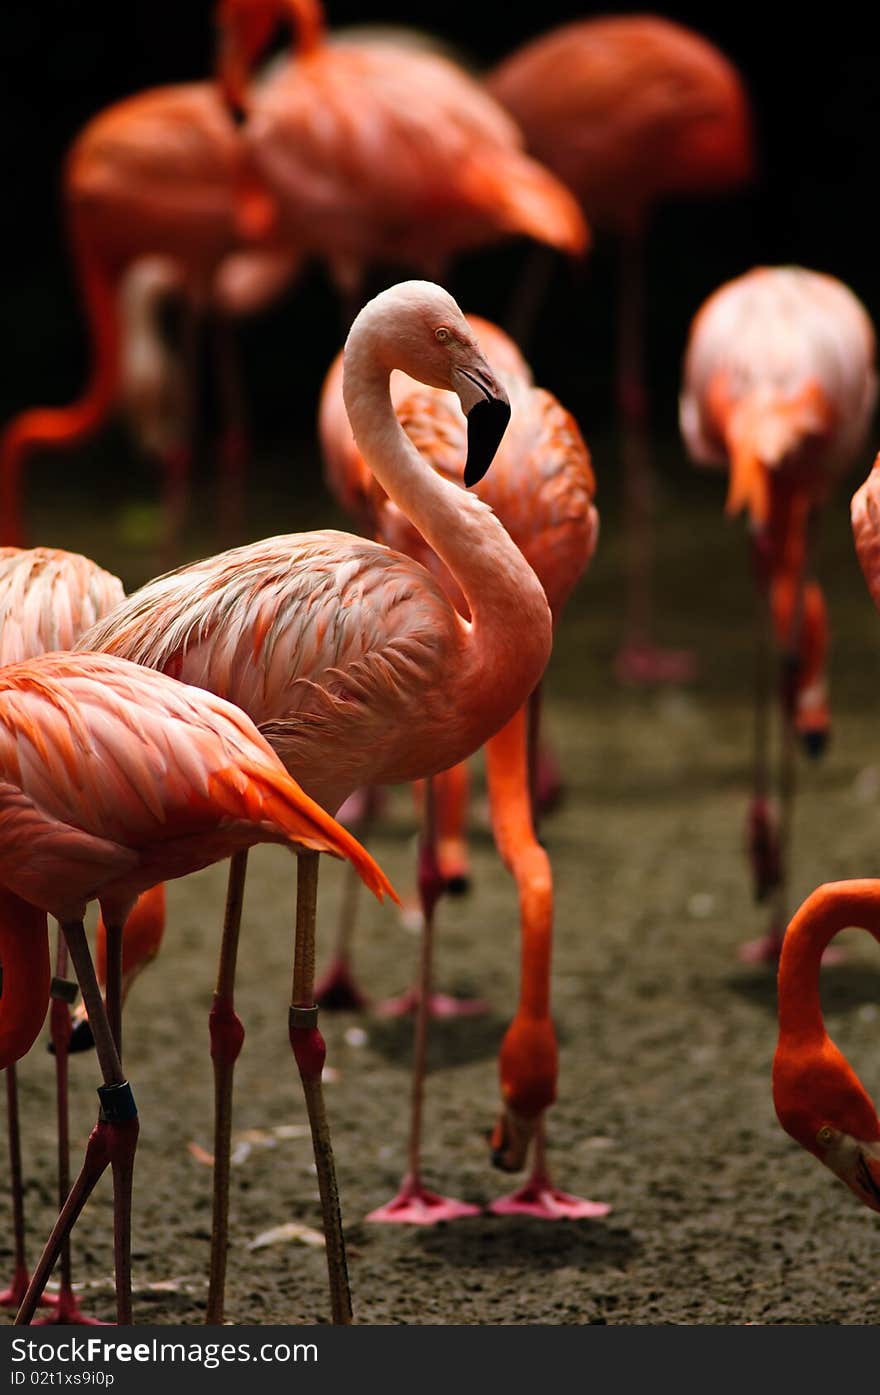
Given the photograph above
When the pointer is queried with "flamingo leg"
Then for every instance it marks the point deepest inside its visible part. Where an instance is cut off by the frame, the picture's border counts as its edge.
(414, 1204)
(767, 948)
(67, 1311)
(528, 1064)
(539, 1197)
(310, 1052)
(639, 662)
(450, 791)
(762, 831)
(11, 1297)
(234, 448)
(337, 990)
(112, 1143)
(227, 1037)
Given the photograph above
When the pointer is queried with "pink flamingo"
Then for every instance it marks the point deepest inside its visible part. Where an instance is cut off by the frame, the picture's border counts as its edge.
(376, 152)
(779, 385)
(113, 778)
(541, 488)
(49, 598)
(628, 109)
(349, 656)
(163, 175)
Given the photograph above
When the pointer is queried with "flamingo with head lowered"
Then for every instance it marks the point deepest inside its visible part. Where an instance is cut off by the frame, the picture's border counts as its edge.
(779, 386)
(819, 1098)
(350, 657)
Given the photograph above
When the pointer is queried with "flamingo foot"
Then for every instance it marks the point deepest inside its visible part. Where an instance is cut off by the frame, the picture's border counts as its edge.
(12, 1296)
(440, 1005)
(68, 1313)
(337, 990)
(646, 666)
(415, 1205)
(539, 1198)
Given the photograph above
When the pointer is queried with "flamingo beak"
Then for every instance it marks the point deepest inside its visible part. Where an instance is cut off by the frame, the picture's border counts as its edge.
(866, 1180)
(510, 1139)
(487, 408)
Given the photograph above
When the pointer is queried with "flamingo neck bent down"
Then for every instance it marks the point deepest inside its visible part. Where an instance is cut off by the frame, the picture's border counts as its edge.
(509, 635)
(24, 957)
(831, 908)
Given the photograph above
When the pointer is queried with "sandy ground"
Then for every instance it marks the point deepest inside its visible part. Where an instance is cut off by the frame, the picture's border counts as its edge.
(665, 1107)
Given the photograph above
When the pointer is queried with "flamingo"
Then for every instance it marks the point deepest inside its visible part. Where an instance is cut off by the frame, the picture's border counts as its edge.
(142, 938)
(541, 488)
(819, 1099)
(350, 657)
(158, 175)
(780, 385)
(627, 110)
(375, 151)
(114, 778)
(48, 597)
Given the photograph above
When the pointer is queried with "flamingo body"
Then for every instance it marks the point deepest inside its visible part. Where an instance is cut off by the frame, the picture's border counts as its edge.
(627, 109)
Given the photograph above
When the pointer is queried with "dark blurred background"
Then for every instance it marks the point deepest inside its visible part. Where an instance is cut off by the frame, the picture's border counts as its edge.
(817, 102)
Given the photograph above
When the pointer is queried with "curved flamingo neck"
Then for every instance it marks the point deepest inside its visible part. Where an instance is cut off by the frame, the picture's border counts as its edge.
(832, 908)
(308, 25)
(514, 833)
(24, 957)
(494, 577)
(65, 426)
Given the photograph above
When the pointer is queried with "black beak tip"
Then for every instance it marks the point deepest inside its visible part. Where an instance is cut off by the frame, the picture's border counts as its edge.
(487, 422)
(81, 1037)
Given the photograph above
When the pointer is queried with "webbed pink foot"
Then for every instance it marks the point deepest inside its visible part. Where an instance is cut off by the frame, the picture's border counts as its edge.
(416, 1205)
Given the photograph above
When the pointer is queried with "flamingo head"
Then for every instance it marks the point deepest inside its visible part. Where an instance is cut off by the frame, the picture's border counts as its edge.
(823, 1105)
(417, 327)
(528, 1065)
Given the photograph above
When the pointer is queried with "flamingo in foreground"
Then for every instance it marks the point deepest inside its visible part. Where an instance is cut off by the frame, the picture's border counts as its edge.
(376, 152)
(627, 110)
(114, 778)
(779, 385)
(541, 488)
(48, 598)
(819, 1099)
(349, 656)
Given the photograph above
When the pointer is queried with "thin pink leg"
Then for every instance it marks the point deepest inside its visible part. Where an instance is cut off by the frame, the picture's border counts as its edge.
(639, 662)
(112, 1143)
(540, 1198)
(12, 1296)
(68, 1310)
(337, 990)
(414, 1204)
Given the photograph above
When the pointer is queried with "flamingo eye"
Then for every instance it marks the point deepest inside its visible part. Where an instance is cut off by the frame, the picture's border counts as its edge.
(442, 335)
(825, 1134)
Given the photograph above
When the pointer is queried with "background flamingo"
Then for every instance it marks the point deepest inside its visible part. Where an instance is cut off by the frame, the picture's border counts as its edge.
(350, 656)
(541, 488)
(377, 152)
(48, 598)
(780, 384)
(153, 175)
(115, 778)
(628, 109)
